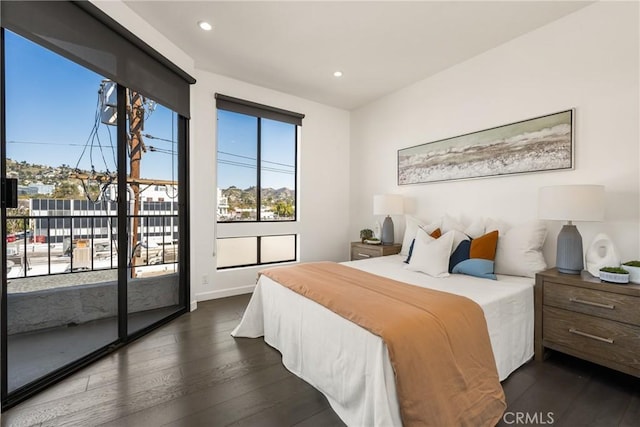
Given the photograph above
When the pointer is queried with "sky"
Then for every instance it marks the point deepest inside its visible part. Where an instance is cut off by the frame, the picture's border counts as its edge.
(51, 109)
(51, 104)
(237, 152)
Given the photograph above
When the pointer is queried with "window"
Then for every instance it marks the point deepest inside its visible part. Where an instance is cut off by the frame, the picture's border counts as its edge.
(257, 170)
(256, 154)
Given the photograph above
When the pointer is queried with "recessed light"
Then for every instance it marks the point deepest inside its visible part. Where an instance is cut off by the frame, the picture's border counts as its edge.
(205, 25)
(337, 74)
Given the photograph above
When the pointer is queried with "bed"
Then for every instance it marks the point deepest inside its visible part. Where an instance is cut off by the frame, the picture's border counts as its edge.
(350, 365)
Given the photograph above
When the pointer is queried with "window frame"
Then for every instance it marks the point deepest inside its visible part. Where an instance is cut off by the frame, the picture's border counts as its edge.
(260, 112)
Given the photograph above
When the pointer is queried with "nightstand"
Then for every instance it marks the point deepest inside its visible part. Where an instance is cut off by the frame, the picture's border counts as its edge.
(363, 250)
(587, 318)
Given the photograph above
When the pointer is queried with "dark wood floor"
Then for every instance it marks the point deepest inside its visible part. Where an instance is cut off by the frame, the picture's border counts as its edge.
(193, 373)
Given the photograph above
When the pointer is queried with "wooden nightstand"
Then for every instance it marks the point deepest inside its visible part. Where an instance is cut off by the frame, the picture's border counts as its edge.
(364, 251)
(586, 318)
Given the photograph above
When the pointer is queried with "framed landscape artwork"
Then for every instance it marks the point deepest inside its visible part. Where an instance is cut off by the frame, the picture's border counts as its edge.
(535, 145)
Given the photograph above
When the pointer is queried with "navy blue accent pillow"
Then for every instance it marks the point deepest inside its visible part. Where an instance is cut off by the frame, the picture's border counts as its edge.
(406, 261)
(460, 254)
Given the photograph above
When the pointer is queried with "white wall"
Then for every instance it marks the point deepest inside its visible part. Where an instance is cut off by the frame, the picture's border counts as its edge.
(323, 186)
(587, 60)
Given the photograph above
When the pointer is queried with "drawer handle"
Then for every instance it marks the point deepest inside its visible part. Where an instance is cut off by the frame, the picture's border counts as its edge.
(594, 337)
(594, 304)
(364, 255)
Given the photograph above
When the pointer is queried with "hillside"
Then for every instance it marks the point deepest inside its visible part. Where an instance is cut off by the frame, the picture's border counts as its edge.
(243, 199)
(29, 173)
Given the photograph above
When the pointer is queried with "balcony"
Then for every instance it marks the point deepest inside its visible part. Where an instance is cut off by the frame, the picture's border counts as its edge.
(62, 279)
(67, 252)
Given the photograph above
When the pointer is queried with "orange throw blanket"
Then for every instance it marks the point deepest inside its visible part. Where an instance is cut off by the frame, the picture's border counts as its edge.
(438, 342)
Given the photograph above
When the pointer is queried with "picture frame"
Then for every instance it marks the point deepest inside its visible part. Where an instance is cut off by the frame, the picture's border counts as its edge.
(539, 144)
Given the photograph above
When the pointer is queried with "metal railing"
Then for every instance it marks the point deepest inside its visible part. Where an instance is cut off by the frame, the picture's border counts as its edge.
(62, 244)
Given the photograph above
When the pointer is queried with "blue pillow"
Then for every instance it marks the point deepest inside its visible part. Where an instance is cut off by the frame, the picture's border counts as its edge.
(475, 257)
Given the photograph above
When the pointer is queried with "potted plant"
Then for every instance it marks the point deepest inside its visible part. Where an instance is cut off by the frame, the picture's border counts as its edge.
(633, 267)
(614, 275)
(366, 234)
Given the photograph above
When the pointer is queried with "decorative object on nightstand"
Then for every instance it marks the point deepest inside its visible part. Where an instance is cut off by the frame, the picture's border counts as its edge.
(361, 250)
(633, 267)
(587, 318)
(387, 204)
(365, 234)
(571, 203)
(614, 275)
(601, 253)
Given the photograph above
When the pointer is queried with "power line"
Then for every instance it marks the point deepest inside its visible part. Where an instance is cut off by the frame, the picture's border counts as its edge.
(253, 158)
(250, 166)
(146, 135)
(46, 143)
(161, 150)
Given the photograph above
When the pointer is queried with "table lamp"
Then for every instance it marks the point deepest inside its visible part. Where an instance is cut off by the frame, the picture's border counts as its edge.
(571, 203)
(387, 204)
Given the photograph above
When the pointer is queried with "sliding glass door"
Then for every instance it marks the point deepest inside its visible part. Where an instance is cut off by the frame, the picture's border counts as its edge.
(61, 263)
(153, 280)
(95, 251)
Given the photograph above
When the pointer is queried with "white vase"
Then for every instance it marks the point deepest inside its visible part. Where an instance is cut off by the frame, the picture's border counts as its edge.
(601, 253)
(634, 273)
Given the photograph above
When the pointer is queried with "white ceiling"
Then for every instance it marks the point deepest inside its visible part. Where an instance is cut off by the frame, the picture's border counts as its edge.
(295, 46)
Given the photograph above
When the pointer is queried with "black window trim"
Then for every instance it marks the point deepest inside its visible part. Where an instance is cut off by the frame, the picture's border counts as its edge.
(250, 108)
(261, 111)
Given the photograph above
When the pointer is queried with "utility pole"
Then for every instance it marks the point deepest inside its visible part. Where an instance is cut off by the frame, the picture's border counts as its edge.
(136, 148)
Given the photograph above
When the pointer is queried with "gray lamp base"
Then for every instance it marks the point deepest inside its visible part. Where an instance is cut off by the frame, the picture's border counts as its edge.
(387, 237)
(569, 259)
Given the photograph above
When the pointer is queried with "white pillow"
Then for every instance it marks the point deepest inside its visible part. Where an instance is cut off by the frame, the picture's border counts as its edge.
(475, 229)
(411, 229)
(450, 223)
(519, 251)
(496, 224)
(431, 256)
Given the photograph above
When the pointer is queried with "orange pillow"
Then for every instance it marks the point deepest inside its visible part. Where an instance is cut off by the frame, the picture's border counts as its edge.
(484, 247)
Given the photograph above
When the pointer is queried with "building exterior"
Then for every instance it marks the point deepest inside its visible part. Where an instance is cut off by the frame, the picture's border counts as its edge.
(84, 219)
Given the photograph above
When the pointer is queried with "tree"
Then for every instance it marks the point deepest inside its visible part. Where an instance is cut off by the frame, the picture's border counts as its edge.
(284, 209)
(66, 190)
(16, 225)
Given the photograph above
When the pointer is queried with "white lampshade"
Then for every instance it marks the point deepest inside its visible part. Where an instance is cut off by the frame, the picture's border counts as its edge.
(571, 203)
(387, 204)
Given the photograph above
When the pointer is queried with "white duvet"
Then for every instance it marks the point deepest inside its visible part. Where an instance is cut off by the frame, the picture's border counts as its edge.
(350, 365)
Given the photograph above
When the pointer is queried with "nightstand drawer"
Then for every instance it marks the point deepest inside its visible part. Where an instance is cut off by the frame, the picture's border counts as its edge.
(363, 252)
(587, 335)
(622, 308)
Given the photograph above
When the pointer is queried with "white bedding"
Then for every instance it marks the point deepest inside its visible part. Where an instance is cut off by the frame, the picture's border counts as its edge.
(350, 365)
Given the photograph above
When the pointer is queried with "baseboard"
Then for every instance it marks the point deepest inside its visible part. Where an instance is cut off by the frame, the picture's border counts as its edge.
(223, 293)
(194, 305)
